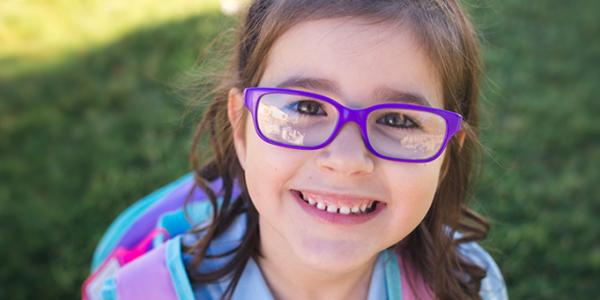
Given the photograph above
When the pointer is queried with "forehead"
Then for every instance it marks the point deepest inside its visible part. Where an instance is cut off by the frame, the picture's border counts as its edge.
(358, 61)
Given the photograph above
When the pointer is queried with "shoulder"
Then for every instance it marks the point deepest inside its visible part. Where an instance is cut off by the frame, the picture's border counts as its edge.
(493, 286)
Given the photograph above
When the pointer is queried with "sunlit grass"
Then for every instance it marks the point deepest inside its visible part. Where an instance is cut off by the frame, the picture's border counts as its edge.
(34, 32)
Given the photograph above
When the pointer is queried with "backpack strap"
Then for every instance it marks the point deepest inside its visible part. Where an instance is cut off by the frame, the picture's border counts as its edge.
(492, 285)
(159, 274)
(419, 289)
(123, 265)
(146, 225)
(397, 276)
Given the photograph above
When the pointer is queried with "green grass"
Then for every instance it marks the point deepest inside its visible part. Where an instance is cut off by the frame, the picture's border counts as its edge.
(542, 129)
(89, 123)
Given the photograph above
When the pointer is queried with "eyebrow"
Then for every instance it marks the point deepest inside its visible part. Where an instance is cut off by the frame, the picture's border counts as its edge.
(381, 93)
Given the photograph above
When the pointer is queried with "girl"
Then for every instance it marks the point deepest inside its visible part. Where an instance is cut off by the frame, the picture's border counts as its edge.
(342, 145)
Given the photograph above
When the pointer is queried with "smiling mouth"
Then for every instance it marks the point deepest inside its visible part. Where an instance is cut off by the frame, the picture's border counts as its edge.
(361, 208)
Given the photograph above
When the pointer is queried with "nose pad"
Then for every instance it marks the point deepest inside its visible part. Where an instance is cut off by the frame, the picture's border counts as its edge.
(347, 153)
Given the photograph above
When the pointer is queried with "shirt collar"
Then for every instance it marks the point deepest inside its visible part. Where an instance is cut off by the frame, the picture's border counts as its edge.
(252, 284)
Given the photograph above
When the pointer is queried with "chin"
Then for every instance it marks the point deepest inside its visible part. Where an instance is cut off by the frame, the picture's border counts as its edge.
(334, 256)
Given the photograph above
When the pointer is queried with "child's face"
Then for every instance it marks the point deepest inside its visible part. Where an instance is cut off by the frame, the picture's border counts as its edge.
(358, 59)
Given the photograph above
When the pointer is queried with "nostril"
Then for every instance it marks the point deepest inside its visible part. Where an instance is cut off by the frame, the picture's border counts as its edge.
(346, 161)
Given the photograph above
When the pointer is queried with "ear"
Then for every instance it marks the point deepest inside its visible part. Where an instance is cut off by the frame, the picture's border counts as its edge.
(235, 113)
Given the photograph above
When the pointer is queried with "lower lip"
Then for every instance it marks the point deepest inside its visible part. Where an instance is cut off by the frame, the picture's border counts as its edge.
(336, 218)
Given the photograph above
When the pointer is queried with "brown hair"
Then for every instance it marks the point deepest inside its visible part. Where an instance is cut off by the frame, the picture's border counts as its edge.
(450, 42)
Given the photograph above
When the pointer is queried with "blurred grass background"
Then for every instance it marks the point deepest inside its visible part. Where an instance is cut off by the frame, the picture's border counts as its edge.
(89, 123)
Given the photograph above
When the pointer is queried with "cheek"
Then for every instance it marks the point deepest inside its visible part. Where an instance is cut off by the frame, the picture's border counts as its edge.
(412, 191)
(268, 169)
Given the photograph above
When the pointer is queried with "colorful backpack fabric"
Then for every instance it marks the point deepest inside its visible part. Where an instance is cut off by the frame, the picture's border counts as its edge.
(140, 256)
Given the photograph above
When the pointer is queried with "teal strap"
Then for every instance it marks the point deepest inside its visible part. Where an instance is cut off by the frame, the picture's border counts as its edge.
(109, 290)
(393, 280)
(179, 221)
(179, 278)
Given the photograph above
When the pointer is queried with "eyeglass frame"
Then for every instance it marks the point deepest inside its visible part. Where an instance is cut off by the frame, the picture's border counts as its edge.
(252, 96)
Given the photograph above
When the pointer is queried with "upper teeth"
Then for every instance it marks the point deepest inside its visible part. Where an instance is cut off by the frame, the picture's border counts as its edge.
(341, 209)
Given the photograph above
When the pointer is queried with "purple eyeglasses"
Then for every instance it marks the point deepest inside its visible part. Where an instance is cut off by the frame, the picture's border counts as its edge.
(307, 121)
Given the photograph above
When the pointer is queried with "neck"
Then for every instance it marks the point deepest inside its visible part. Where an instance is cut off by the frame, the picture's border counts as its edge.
(289, 279)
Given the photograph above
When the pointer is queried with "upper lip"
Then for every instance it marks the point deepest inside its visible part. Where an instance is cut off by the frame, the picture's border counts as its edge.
(341, 196)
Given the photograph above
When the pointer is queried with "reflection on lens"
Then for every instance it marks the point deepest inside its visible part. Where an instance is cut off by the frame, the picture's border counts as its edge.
(274, 124)
(416, 135)
(283, 118)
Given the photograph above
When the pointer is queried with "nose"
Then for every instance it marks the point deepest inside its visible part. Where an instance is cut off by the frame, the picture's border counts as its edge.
(347, 153)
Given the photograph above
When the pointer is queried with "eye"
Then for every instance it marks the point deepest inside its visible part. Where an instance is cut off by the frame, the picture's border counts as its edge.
(308, 107)
(398, 120)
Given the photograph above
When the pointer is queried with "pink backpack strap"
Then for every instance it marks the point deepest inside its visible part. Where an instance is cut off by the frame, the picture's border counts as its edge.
(419, 290)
